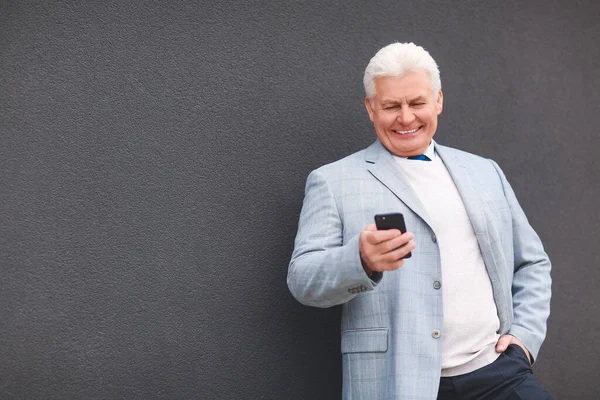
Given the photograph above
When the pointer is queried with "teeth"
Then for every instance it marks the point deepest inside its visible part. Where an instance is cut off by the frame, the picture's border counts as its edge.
(405, 132)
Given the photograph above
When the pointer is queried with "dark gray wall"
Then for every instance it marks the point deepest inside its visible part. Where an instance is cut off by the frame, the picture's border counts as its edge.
(153, 159)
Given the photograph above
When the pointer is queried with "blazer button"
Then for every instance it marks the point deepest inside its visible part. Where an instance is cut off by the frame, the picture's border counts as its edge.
(436, 333)
(433, 238)
(437, 285)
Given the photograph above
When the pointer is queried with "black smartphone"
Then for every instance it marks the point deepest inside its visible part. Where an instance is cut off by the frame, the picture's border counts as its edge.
(391, 221)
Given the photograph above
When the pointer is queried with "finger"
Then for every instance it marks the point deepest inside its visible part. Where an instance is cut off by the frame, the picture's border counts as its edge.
(503, 343)
(394, 265)
(395, 243)
(395, 259)
(400, 252)
(371, 235)
(516, 341)
(374, 254)
(389, 266)
(378, 237)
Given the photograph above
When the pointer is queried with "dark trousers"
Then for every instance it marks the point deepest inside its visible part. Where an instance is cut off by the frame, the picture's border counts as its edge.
(508, 378)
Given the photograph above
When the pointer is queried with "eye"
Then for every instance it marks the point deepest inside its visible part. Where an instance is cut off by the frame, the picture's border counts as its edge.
(419, 104)
(390, 107)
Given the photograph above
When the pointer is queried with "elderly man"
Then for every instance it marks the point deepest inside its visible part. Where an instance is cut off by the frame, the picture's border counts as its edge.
(465, 316)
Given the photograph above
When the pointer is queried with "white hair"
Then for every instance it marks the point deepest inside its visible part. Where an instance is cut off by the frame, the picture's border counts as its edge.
(397, 59)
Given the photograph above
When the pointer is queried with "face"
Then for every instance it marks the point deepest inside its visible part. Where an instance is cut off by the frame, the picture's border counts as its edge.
(404, 112)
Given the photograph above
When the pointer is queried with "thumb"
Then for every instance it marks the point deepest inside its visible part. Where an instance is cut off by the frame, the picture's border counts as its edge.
(503, 343)
(371, 227)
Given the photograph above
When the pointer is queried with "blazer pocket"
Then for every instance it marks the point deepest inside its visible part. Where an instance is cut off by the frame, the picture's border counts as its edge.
(373, 340)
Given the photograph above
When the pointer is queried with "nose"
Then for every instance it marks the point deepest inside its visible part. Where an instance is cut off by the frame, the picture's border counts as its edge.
(405, 116)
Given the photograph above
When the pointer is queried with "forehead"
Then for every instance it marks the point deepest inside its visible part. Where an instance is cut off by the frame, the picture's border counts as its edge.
(409, 85)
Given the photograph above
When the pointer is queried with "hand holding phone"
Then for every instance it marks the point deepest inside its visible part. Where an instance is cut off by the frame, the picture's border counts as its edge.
(391, 221)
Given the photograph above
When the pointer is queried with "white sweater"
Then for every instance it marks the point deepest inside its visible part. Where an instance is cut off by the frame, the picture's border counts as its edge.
(470, 317)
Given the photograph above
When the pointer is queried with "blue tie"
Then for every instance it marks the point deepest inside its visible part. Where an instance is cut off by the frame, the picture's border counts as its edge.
(421, 157)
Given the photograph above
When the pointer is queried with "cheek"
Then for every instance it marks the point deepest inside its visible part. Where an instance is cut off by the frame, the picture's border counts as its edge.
(381, 123)
(429, 117)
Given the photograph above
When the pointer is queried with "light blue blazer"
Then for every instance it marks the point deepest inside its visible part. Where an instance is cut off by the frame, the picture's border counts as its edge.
(388, 349)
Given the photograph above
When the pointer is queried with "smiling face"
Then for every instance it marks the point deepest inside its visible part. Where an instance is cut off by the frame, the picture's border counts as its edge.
(404, 112)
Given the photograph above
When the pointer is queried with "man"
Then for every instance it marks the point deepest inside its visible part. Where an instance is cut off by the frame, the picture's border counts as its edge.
(465, 316)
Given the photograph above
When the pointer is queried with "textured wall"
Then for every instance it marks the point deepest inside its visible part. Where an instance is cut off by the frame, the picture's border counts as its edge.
(152, 163)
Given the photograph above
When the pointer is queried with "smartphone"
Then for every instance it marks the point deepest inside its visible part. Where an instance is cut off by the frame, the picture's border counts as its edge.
(391, 221)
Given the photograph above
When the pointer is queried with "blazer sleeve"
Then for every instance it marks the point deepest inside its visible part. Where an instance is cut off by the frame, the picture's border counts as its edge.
(324, 271)
(531, 285)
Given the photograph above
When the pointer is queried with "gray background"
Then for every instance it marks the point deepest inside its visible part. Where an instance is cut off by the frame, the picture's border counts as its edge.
(153, 160)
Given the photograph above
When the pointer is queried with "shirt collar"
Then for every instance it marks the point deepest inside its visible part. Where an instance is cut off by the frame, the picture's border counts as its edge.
(430, 152)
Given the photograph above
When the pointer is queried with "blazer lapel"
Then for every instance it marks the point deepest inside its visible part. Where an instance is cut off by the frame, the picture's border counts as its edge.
(470, 192)
(384, 168)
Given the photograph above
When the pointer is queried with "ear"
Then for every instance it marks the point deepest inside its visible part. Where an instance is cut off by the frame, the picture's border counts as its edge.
(440, 102)
(369, 108)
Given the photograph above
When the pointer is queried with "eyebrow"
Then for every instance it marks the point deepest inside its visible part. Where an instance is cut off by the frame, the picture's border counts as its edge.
(396, 101)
